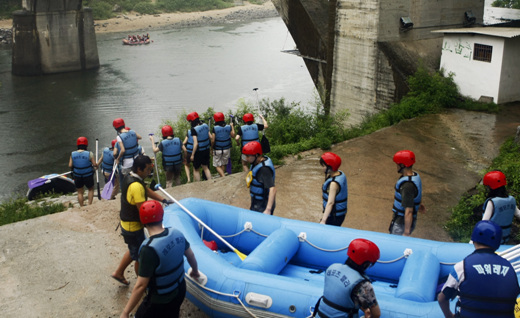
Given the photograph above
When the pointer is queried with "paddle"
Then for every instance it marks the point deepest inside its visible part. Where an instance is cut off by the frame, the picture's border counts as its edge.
(43, 180)
(241, 255)
(97, 172)
(155, 161)
(109, 186)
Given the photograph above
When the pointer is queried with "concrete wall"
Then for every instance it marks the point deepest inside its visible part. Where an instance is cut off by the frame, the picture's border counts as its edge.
(53, 41)
(474, 78)
(373, 56)
(509, 89)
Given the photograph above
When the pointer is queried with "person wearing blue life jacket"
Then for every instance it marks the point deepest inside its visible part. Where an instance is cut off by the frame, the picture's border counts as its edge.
(198, 144)
(171, 149)
(407, 195)
(347, 289)
(334, 190)
(485, 282)
(249, 132)
(161, 270)
(106, 162)
(260, 180)
(499, 207)
(127, 146)
(83, 165)
(221, 136)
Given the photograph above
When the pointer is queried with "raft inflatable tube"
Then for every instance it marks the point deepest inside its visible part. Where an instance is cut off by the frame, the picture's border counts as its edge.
(283, 273)
(56, 183)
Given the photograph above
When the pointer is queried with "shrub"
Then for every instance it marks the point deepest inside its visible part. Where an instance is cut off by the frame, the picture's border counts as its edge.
(145, 8)
(100, 10)
(15, 210)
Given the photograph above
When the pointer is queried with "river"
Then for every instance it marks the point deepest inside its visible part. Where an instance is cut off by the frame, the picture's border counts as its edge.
(183, 70)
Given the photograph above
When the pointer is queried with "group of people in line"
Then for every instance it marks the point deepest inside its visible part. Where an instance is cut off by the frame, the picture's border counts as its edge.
(162, 272)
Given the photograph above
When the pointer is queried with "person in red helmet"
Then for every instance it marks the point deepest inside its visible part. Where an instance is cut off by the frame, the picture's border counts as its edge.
(171, 149)
(260, 179)
(334, 190)
(197, 144)
(162, 267)
(83, 164)
(127, 146)
(249, 132)
(221, 135)
(106, 161)
(499, 207)
(347, 289)
(408, 195)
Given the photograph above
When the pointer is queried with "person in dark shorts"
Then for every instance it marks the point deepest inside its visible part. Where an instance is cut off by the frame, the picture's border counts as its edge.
(260, 179)
(200, 152)
(171, 148)
(83, 164)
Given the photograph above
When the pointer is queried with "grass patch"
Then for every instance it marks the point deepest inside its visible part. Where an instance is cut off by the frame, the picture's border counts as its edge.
(15, 210)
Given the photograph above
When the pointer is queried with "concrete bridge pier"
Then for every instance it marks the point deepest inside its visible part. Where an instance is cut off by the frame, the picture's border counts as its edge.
(53, 37)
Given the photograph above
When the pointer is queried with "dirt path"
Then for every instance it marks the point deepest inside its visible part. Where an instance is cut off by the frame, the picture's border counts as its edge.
(59, 265)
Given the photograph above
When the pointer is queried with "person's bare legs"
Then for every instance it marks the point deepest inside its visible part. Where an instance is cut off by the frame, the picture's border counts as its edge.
(187, 169)
(220, 170)
(90, 195)
(80, 196)
(196, 175)
(206, 171)
(169, 177)
(119, 273)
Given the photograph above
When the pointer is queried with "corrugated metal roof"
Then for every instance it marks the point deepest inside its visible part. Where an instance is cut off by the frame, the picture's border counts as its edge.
(491, 31)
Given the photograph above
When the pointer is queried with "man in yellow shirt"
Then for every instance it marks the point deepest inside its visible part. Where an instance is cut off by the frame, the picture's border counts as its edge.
(134, 193)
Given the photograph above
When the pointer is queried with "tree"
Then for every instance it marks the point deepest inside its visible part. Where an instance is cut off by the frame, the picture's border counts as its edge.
(511, 4)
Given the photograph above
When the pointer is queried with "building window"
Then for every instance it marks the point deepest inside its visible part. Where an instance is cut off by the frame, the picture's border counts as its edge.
(482, 52)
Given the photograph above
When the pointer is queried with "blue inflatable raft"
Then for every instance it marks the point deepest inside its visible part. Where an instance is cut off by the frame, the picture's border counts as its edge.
(282, 275)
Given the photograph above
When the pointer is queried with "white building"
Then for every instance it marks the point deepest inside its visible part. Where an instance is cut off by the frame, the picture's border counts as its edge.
(485, 62)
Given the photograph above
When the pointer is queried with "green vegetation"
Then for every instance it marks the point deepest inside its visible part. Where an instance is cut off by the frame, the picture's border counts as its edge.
(15, 210)
(104, 9)
(8, 6)
(511, 4)
(469, 210)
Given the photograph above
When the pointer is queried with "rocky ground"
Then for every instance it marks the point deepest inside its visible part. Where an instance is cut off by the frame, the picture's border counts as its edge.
(59, 265)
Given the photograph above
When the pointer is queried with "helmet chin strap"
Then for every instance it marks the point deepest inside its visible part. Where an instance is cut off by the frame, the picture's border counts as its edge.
(327, 171)
(401, 167)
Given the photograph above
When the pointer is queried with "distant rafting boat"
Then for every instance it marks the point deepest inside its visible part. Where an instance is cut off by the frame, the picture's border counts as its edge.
(134, 40)
(56, 183)
(283, 272)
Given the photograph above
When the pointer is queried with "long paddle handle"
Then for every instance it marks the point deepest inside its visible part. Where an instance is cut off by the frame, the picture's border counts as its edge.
(241, 255)
(113, 172)
(97, 171)
(155, 161)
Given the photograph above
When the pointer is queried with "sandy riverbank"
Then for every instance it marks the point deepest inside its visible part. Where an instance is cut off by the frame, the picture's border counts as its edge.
(146, 23)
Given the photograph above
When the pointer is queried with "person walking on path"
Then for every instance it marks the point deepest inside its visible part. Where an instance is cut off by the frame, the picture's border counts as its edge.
(106, 161)
(334, 190)
(261, 179)
(347, 288)
(199, 142)
(83, 164)
(162, 267)
(221, 135)
(128, 146)
(133, 193)
(486, 283)
(171, 148)
(499, 207)
(408, 195)
(249, 132)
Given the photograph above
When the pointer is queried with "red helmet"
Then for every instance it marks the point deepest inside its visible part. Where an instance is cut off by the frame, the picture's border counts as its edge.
(218, 117)
(118, 123)
(192, 116)
(82, 141)
(361, 251)
(113, 143)
(167, 130)
(252, 148)
(248, 117)
(495, 179)
(332, 160)
(404, 157)
(150, 212)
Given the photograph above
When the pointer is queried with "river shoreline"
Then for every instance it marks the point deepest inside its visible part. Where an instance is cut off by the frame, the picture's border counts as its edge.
(134, 22)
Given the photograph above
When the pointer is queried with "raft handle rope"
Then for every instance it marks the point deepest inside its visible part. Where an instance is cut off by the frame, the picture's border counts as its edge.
(235, 295)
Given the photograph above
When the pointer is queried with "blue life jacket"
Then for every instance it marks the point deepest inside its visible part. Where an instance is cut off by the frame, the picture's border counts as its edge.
(108, 160)
(171, 151)
(490, 286)
(170, 249)
(340, 281)
(129, 139)
(249, 133)
(503, 213)
(189, 143)
(222, 137)
(202, 137)
(340, 203)
(256, 189)
(82, 166)
(398, 207)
